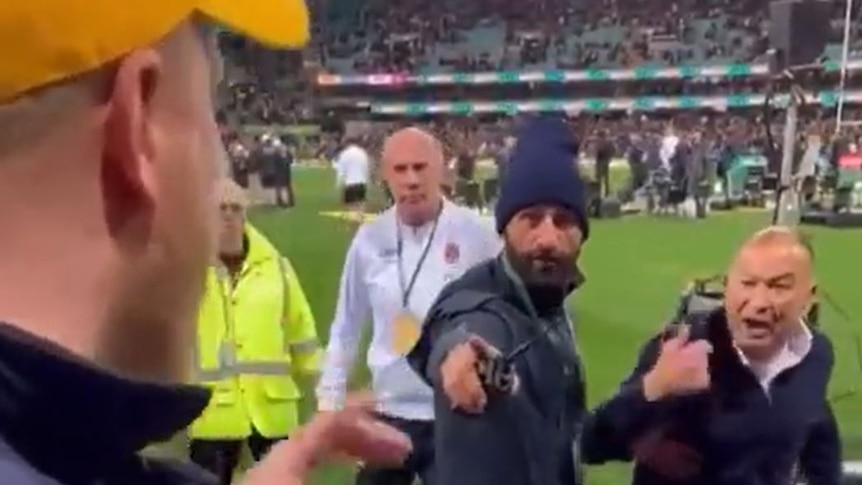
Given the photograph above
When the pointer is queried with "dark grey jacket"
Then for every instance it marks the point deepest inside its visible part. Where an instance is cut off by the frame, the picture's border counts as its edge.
(523, 439)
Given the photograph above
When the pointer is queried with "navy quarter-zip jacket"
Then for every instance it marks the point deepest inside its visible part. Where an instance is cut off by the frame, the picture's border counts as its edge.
(745, 434)
(63, 421)
(522, 439)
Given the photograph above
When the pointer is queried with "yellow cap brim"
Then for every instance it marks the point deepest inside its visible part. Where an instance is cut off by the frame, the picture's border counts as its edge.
(275, 23)
(45, 41)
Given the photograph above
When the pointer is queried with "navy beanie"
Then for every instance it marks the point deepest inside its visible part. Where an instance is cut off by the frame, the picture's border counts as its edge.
(542, 169)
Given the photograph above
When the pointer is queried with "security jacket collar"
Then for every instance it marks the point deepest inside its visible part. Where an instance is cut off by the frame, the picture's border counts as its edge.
(72, 420)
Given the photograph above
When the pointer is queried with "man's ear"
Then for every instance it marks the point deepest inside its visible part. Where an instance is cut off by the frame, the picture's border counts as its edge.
(810, 314)
(128, 138)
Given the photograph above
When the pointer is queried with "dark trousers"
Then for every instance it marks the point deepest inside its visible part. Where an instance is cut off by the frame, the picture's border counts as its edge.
(603, 177)
(221, 457)
(284, 194)
(420, 462)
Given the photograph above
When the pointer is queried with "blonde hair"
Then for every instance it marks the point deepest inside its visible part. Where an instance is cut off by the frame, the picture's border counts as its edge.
(231, 192)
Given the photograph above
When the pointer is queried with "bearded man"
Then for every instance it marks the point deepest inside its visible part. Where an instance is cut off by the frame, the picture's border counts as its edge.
(516, 300)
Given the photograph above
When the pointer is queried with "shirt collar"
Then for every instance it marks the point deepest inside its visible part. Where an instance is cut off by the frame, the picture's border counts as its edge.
(800, 342)
(798, 345)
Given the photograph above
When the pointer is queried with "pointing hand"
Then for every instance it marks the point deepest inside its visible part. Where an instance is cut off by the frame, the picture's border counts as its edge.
(460, 374)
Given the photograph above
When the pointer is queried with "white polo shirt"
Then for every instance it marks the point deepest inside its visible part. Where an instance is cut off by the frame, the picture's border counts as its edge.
(352, 166)
(668, 149)
(371, 288)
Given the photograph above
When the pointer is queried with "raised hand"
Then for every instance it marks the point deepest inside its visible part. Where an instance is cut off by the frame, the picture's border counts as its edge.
(682, 368)
(352, 432)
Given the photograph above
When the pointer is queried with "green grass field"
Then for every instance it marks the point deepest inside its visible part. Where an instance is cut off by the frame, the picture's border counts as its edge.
(636, 268)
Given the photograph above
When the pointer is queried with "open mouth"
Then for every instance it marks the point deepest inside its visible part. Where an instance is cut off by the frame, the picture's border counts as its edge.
(544, 265)
(757, 328)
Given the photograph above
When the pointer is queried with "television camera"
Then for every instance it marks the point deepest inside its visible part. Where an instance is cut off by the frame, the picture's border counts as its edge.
(705, 295)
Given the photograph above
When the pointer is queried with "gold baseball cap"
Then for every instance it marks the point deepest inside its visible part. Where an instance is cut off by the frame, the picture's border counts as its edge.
(46, 41)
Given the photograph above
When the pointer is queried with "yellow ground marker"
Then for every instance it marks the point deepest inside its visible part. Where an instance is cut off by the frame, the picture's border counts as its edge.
(346, 216)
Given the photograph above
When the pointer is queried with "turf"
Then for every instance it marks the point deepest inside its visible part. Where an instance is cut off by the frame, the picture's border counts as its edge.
(636, 268)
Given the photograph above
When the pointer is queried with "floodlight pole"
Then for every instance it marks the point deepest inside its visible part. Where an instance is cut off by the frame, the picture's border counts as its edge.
(845, 54)
(787, 210)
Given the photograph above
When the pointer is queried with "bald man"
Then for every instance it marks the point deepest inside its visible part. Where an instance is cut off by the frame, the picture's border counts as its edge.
(738, 396)
(394, 270)
(109, 158)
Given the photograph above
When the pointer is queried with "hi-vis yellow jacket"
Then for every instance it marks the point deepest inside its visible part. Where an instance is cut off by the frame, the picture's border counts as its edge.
(254, 335)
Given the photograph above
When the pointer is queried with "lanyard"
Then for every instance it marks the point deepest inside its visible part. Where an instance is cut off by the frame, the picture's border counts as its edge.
(407, 288)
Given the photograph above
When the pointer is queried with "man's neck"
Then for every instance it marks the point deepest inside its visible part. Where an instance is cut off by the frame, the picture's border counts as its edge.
(238, 251)
(57, 299)
(234, 258)
(760, 356)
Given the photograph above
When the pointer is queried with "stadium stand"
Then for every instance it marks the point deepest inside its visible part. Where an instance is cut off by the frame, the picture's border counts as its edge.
(485, 35)
(627, 72)
(633, 69)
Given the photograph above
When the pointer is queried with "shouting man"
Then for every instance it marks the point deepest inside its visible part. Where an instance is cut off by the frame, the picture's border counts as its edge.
(738, 395)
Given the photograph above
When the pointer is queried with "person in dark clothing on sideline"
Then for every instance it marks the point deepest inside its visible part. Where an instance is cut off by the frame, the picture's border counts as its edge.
(264, 159)
(501, 159)
(107, 178)
(501, 162)
(605, 152)
(284, 195)
(465, 173)
(679, 164)
(737, 397)
(240, 162)
(698, 171)
(636, 156)
(525, 437)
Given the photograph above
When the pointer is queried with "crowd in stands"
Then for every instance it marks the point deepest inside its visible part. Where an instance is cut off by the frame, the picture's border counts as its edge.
(386, 36)
(267, 88)
(262, 86)
(464, 138)
(739, 132)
